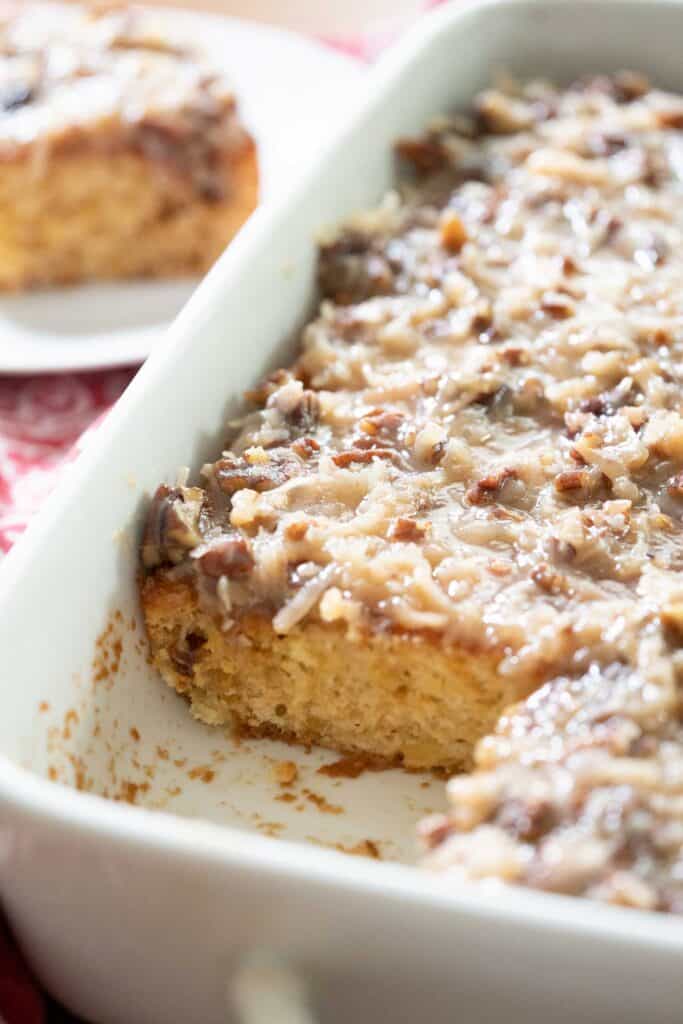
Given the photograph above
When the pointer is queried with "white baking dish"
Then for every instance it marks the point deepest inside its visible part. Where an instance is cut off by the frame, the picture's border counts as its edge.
(141, 914)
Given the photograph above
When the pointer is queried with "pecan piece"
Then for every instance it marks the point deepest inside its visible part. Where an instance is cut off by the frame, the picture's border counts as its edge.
(405, 529)
(296, 531)
(596, 405)
(358, 454)
(226, 556)
(670, 119)
(382, 421)
(452, 232)
(427, 154)
(569, 266)
(305, 415)
(577, 485)
(607, 402)
(305, 447)
(528, 820)
(351, 269)
(172, 526)
(630, 85)
(556, 305)
(232, 474)
(548, 581)
(671, 617)
(571, 480)
(515, 355)
(489, 488)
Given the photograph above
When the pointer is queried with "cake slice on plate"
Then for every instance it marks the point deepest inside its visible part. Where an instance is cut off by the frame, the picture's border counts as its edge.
(122, 153)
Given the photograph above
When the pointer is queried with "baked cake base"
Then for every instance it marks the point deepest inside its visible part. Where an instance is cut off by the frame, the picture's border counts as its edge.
(391, 698)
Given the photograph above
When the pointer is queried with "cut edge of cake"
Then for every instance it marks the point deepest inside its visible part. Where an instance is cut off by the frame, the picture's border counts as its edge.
(393, 699)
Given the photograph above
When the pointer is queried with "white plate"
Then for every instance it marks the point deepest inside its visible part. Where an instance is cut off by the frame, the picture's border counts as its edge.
(291, 92)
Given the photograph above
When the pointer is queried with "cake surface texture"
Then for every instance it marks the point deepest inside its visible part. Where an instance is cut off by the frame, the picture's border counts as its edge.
(449, 536)
(121, 152)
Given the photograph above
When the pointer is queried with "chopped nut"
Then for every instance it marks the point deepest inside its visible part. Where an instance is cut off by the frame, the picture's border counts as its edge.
(226, 556)
(548, 581)
(675, 486)
(571, 480)
(408, 530)
(452, 232)
(426, 154)
(515, 355)
(305, 447)
(232, 474)
(382, 421)
(351, 270)
(305, 413)
(363, 455)
(489, 487)
(671, 616)
(172, 526)
(557, 305)
(296, 531)
(672, 118)
(630, 85)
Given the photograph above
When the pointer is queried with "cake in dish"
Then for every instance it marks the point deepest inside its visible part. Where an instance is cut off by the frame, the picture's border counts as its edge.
(121, 153)
(461, 506)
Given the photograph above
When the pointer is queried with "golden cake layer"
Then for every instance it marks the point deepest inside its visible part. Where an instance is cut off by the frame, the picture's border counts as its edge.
(394, 699)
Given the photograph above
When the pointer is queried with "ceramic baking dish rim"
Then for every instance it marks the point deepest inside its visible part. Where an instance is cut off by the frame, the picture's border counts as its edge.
(48, 803)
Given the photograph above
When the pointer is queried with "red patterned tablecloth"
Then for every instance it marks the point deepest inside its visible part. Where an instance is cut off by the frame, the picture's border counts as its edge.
(44, 422)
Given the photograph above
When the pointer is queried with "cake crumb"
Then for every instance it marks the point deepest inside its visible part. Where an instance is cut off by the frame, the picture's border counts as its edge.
(348, 767)
(202, 772)
(286, 773)
(365, 848)
(323, 805)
